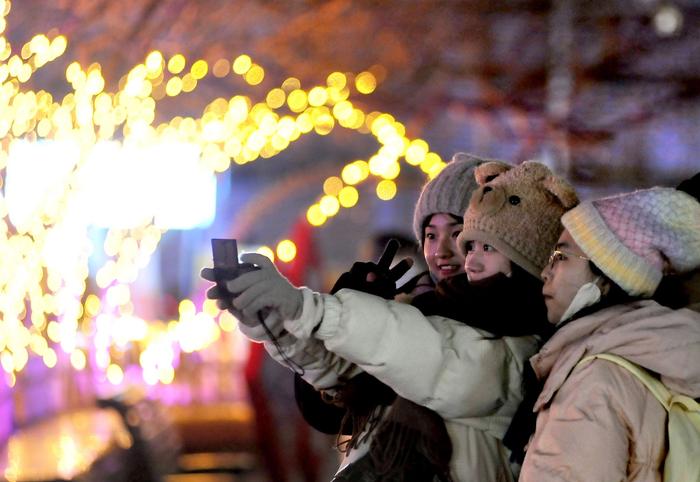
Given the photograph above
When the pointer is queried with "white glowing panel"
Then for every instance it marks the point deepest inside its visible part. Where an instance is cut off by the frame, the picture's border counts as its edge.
(37, 174)
(187, 193)
(115, 187)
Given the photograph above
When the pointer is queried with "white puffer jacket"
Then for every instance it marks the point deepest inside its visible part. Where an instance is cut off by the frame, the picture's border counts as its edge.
(468, 376)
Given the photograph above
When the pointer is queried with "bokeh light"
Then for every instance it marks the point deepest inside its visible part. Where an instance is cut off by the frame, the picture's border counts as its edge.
(286, 250)
(50, 306)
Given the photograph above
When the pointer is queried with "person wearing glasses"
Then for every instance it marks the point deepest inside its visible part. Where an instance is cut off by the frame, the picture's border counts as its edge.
(594, 419)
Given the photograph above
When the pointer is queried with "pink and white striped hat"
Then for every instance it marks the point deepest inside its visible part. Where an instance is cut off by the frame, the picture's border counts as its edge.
(636, 238)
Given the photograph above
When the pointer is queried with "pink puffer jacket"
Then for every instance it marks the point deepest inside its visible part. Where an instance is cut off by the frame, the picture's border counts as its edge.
(596, 422)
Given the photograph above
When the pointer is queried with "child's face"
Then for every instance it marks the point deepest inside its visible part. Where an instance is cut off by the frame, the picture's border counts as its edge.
(440, 246)
(483, 261)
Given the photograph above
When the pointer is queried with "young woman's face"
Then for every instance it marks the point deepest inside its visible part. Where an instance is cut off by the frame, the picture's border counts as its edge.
(566, 272)
(440, 246)
(483, 261)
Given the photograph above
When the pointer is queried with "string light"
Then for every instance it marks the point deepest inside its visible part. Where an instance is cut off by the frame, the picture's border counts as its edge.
(45, 255)
(286, 250)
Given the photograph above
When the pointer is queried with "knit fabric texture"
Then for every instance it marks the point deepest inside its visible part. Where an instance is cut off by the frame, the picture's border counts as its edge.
(517, 210)
(448, 192)
(635, 238)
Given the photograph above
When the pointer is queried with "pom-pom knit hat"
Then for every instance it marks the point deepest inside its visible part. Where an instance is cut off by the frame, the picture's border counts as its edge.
(517, 210)
(634, 238)
(448, 192)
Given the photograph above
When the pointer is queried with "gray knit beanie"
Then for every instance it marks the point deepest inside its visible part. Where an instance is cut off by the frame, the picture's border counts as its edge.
(448, 192)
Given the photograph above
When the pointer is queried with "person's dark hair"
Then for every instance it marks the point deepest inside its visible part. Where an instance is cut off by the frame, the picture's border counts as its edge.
(678, 290)
(691, 186)
(615, 295)
(428, 218)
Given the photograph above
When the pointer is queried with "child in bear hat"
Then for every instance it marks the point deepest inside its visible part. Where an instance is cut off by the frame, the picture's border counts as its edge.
(596, 421)
(465, 369)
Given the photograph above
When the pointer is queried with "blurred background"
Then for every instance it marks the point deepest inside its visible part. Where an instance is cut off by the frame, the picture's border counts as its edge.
(132, 132)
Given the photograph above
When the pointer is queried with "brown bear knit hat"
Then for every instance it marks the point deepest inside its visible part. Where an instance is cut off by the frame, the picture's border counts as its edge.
(448, 192)
(517, 210)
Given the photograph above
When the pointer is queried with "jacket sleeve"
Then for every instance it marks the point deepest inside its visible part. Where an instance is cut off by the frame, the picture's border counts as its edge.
(452, 368)
(583, 434)
(306, 356)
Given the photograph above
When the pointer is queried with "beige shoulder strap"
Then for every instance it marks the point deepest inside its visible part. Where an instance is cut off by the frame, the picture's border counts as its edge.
(658, 389)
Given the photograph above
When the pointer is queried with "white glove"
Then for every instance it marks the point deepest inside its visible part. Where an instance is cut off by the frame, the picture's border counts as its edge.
(255, 331)
(265, 289)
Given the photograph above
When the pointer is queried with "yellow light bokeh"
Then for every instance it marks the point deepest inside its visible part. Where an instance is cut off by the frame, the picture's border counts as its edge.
(323, 123)
(176, 64)
(166, 375)
(227, 321)
(199, 69)
(329, 206)
(267, 252)
(275, 98)
(58, 46)
(337, 80)
(365, 83)
(332, 185)
(286, 250)
(53, 331)
(297, 100)
(209, 307)
(108, 330)
(317, 96)
(386, 190)
(174, 86)
(430, 162)
(154, 61)
(290, 84)
(416, 152)
(186, 308)
(351, 174)
(343, 110)
(221, 68)
(189, 83)
(304, 123)
(242, 64)
(315, 216)
(78, 360)
(348, 196)
(50, 358)
(391, 171)
(115, 374)
(255, 75)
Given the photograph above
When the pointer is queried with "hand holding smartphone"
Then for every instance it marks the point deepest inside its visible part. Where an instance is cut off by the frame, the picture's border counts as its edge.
(226, 264)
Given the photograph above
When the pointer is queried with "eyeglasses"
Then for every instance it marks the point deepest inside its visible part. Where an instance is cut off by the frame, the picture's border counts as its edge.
(558, 255)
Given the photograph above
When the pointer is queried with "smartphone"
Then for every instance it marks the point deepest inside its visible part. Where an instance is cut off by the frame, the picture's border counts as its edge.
(226, 264)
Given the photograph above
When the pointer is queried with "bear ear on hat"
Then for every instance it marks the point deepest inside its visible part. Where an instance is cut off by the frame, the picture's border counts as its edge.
(465, 156)
(536, 170)
(487, 171)
(561, 190)
(555, 185)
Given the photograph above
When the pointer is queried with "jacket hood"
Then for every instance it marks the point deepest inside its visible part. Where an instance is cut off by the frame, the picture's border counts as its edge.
(655, 337)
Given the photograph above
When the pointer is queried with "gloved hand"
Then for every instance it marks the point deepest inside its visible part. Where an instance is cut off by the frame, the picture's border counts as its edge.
(223, 300)
(375, 278)
(266, 289)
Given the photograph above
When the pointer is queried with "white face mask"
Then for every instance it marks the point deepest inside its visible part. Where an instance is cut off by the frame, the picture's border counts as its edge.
(588, 294)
